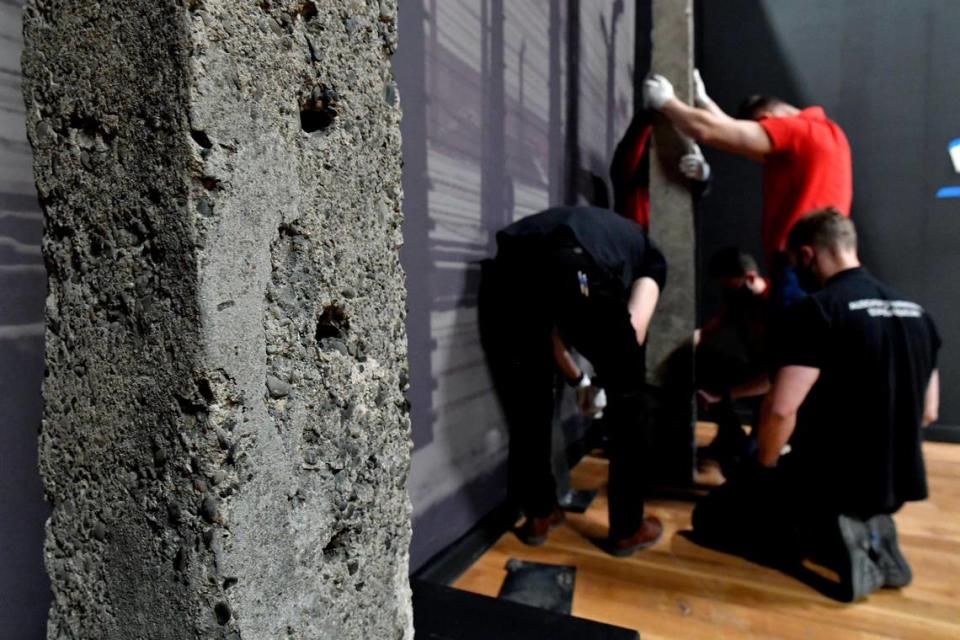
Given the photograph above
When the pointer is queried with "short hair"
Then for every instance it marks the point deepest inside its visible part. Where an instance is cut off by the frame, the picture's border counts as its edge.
(751, 105)
(825, 229)
(731, 262)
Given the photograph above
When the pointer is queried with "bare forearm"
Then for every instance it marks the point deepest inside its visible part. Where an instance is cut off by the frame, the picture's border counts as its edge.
(643, 300)
(565, 362)
(773, 434)
(689, 120)
(778, 414)
(717, 129)
(714, 109)
(931, 400)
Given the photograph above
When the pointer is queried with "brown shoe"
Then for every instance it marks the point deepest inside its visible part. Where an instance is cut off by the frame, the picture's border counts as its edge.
(535, 531)
(646, 536)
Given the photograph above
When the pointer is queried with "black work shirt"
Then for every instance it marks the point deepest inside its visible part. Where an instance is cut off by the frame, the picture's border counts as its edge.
(857, 445)
(618, 246)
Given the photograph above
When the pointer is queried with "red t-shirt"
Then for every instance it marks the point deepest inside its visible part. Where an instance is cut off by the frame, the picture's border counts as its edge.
(809, 168)
(630, 170)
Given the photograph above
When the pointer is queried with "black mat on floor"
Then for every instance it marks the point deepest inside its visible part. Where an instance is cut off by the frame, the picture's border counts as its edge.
(577, 500)
(546, 586)
(444, 613)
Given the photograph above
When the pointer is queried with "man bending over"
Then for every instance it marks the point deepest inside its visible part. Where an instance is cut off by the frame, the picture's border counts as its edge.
(591, 278)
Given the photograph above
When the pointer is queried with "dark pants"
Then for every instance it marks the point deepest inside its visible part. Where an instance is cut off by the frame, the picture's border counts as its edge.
(718, 371)
(536, 288)
(777, 516)
(780, 518)
(762, 514)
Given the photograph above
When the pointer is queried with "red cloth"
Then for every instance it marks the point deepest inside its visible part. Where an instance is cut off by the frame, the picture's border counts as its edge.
(809, 168)
(630, 171)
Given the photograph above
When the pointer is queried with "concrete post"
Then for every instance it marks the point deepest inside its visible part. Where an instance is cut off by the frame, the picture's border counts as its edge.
(672, 226)
(225, 441)
(671, 206)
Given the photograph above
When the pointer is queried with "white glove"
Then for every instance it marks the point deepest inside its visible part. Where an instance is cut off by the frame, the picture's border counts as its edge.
(590, 398)
(694, 166)
(657, 90)
(700, 97)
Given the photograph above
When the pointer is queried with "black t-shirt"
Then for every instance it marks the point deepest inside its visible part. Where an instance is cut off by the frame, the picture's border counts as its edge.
(857, 442)
(618, 246)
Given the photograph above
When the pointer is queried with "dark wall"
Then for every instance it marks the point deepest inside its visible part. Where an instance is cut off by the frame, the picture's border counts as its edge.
(888, 72)
(509, 107)
(24, 591)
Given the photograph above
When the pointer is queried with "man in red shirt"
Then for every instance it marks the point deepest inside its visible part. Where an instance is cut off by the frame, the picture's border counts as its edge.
(805, 155)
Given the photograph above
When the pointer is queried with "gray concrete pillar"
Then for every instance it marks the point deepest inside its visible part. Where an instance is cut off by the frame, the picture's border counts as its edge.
(671, 206)
(225, 440)
(672, 226)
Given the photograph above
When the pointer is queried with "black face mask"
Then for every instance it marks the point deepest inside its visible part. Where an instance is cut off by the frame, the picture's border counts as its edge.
(807, 279)
(737, 296)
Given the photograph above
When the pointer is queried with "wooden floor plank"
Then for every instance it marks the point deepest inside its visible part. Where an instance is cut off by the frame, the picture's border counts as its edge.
(678, 590)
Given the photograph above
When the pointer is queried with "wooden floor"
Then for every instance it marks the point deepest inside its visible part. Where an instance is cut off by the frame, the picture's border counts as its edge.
(679, 590)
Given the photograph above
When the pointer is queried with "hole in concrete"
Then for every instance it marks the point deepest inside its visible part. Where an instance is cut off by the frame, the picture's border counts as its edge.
(188, 406)
(58, 231)
(308, 11)
(209, 183)
(155, 195)
(206, 389)
(332, 324)
(288, 230)
(85, 125)
(316, 117)
(201, 138)
(156, 252)
(336, 542)
(97, 245)
(180, 560)
(222, 610)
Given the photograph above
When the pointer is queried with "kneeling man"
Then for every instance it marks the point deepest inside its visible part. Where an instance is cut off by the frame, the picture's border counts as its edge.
(855, 379)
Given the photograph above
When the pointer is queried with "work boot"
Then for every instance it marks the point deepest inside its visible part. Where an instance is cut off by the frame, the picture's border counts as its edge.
(886, 552)
(534, 531)
(647, 535)
(843, 562)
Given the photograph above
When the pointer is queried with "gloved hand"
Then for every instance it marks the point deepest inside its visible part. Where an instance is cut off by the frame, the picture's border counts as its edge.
(694, 166)
(657, 90)
(700, 97)
(590, 398)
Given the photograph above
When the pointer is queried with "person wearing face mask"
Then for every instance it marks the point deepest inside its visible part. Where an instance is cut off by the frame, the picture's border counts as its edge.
(855, 380)
(805, 156)
(731, 353)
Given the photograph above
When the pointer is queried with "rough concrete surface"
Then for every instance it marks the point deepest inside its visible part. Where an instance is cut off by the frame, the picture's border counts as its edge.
(225, 440)
(671, 205)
